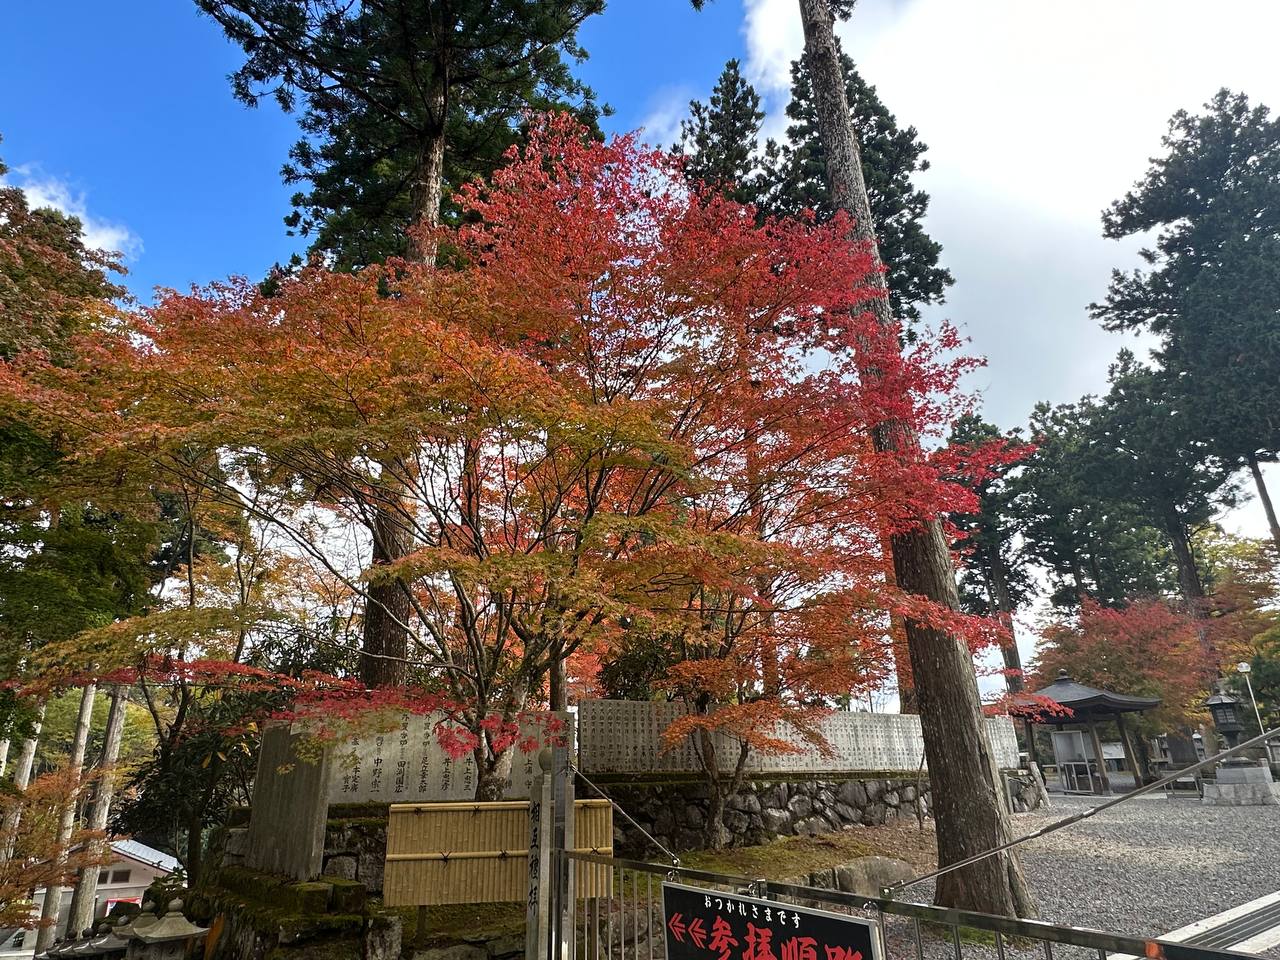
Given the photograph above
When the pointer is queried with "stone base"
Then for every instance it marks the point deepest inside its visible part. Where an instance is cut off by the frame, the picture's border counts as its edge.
(1242, 785)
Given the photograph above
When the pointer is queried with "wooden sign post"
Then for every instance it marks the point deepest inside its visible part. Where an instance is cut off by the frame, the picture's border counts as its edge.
(541, 833)
(565, 833)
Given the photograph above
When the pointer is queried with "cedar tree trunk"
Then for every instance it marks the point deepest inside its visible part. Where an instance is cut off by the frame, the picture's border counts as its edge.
(385, 644)
(85, 894)
(969, 812)
(387, 611)
(898, 639)
(1003, 605)
(21, 777)
(1183, 557)
(53, 894)
(1265, 497)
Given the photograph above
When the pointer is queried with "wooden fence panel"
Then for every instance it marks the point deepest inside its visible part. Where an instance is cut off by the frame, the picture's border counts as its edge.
(441, 853)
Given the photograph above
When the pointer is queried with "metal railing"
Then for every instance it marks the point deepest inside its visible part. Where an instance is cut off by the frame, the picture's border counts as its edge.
(627, 922)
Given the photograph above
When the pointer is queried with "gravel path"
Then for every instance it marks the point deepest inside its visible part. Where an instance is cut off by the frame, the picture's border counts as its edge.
(1144, 868)
(1141, 869)
(1151, 865)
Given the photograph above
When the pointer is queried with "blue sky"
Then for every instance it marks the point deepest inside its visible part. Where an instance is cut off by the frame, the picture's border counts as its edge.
(122, 110)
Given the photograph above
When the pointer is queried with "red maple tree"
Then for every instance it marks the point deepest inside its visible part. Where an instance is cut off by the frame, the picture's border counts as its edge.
(633, 409)
(1146, 649)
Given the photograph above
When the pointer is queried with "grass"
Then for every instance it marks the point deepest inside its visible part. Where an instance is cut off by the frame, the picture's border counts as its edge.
(784, 857)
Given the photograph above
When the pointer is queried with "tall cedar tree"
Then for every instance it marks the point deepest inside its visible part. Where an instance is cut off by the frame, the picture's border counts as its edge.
(399, 98)
(402, 102)
(1090, 543)
(891, 157)
(722, 142)
(1211, 290)
(720, 139)
(1141, 453)
(970, 815)
(994, 582)
(794, 180)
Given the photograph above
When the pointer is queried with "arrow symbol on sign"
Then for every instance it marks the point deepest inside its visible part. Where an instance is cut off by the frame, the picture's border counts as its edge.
(676, 927)
(698, 933)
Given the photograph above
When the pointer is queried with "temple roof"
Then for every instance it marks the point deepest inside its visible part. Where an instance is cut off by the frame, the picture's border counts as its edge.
(1088, 702)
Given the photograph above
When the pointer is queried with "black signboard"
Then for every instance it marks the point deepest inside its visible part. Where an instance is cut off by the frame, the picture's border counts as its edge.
(709, 925)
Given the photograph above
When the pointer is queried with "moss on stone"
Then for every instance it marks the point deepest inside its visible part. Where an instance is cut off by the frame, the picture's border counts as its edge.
(295, 929)
(349, 896)
(305, 898)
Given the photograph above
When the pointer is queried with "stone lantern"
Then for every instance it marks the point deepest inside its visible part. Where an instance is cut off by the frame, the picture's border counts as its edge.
(1237, 782)
(1225, 710)
(108, 944)
(67, 946)
(144, 920)
(166, 939)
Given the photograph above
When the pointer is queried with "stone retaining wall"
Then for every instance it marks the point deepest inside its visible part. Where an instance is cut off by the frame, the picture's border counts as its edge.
(676, 813)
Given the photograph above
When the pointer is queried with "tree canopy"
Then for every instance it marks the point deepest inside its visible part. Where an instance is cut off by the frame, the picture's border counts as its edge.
(577, 416)
(891, 157)
(1211, 288)
(397, 98)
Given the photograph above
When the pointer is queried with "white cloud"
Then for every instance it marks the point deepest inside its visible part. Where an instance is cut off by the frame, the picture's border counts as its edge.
(1037, 117)
(661, 124)
(45, 191)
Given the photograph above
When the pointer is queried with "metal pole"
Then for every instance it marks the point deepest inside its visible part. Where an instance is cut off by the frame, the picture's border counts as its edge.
(1256, 712)
(1269, 747)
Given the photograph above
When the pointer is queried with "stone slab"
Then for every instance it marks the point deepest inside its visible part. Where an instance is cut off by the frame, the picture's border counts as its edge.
(619, 736)
(1242, 773)
(406, 764)
(1241, 794)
